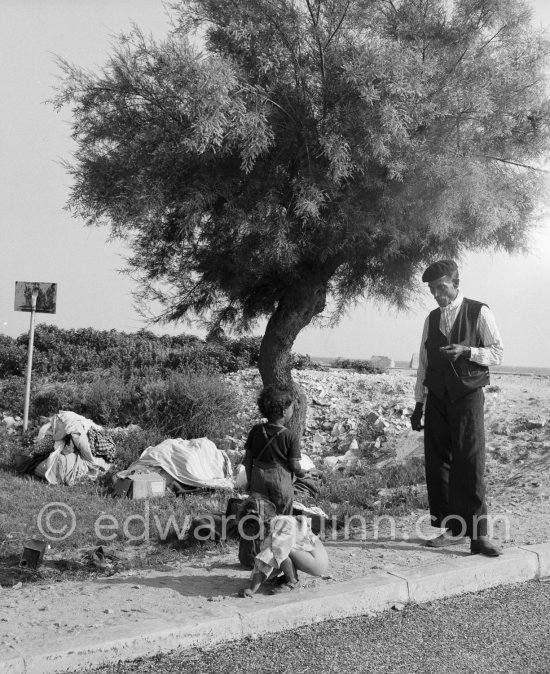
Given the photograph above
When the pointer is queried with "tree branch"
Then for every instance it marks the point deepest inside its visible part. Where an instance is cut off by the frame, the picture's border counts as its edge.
(338, 25)
(513, 163)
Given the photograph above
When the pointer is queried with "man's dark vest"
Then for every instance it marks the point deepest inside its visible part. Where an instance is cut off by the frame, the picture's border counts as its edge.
(462, 376)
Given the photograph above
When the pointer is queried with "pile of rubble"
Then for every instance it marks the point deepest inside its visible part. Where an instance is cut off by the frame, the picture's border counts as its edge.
(351, 417)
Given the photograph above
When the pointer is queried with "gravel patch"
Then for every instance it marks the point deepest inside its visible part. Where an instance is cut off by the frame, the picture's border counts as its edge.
(501, 630)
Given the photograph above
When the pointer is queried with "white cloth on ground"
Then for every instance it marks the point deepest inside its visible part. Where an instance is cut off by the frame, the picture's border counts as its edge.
(69, 468)
(196, 462)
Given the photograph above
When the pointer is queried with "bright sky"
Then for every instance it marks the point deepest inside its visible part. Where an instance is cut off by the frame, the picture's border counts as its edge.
(41, 242)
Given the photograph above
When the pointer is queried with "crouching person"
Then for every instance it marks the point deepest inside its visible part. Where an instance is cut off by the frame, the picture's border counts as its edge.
(290, 547)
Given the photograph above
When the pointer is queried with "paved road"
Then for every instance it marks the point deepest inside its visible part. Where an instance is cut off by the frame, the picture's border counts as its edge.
(502, 631)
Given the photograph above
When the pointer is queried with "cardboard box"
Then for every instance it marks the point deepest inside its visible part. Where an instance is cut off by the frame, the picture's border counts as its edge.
(147, 485)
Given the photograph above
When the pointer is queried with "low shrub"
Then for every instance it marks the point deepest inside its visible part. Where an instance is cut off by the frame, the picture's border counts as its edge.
(12, 394)
(111, 400)
(393, 490)
(130, 444)
(49, 398)
(363, 366)
(11, 446)
(13, 357)
(187, 404)
(246, 349)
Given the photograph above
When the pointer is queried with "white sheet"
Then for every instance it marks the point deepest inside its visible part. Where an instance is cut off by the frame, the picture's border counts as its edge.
(197, 462)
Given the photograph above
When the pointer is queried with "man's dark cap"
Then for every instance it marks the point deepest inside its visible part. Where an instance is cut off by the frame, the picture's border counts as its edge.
(438, 269)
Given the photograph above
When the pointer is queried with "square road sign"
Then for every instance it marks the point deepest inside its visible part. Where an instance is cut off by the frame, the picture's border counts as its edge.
(45, 301)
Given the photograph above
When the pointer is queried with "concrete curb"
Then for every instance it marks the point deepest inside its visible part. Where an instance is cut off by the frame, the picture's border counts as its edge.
(227, 621)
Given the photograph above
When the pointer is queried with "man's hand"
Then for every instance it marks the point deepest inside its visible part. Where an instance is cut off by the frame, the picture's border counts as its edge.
(454, 351)
(416, 417)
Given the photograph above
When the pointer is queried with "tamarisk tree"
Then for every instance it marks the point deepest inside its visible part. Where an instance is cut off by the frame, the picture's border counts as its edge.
(309, 150)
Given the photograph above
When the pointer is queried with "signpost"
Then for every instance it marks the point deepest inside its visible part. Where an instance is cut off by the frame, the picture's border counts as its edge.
(33, 297)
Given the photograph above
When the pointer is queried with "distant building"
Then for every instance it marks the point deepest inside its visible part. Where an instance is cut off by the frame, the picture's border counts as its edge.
(383, 362)
(414, 361)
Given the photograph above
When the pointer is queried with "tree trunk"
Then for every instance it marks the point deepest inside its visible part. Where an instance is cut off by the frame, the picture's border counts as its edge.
(296, 308)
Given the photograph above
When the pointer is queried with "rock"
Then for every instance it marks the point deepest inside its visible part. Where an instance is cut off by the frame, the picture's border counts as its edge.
(331, 461)
(380, 424)
(306, 463)
(229, 443)
(338, 429)
(372, 417)
(9, 422)
(409, 444)
(349, 458)
(354, 447)
(531, 424)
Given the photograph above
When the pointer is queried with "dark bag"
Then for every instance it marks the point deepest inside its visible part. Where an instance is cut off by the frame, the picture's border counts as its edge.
(32, 462)
(253, 525)
(123, 488)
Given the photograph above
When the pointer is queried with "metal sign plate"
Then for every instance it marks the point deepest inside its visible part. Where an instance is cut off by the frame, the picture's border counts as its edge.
(45, 301)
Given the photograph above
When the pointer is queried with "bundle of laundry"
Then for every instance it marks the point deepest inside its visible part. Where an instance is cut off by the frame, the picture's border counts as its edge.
(189, 464)
(308, 485)
(69, 448)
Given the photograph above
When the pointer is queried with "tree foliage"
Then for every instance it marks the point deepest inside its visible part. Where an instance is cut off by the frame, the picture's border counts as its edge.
(310, 149)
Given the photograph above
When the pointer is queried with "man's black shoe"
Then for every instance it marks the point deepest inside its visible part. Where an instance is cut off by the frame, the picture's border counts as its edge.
(485, 546)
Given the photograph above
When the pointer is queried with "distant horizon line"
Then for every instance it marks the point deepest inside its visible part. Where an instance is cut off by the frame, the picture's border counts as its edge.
(404, 363)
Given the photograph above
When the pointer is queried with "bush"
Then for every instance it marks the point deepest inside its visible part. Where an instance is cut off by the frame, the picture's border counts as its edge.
(12, 394)
(363, 366)
(13, 357)
(52, 397)
(130, 444)
(304, 362)
(11, 445)
(187, 404)
(190, 405)
(63, 352)
(111, 399)
(246, 349)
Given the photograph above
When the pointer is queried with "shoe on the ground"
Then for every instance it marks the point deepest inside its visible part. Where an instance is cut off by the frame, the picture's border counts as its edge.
(485, 546)
(285, 587)
(245, 592)
(277, 580)
(445, 539)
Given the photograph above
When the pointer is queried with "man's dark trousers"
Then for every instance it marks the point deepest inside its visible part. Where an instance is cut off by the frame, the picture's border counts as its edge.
(454, 446)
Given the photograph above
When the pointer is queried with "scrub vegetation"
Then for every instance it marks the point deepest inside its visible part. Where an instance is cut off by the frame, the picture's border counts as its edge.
(146, 388)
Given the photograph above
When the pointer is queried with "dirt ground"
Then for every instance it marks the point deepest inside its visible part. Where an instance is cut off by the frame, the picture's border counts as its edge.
(518, 483)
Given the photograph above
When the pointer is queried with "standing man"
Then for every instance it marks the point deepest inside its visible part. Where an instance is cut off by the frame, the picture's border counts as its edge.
(460, 340)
